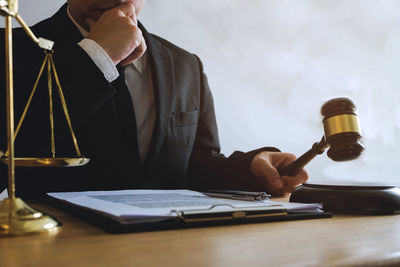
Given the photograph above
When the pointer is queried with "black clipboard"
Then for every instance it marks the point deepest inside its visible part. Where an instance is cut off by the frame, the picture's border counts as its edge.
(185, 219)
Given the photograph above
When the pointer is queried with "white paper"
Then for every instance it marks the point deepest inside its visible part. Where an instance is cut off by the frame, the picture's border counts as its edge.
(3, 194)
(155, 205)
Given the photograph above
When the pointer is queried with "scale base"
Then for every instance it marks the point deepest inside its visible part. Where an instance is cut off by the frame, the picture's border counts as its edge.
(17, 218)
(350, 198)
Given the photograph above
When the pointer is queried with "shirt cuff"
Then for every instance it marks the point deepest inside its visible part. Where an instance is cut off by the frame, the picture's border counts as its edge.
(100, 58)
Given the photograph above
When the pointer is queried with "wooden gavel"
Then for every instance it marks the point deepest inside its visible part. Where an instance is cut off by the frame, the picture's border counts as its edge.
(342, 136)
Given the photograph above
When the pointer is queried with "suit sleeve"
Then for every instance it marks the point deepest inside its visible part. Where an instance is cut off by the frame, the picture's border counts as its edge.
(208, 168)
(85, 90)
(84, 87)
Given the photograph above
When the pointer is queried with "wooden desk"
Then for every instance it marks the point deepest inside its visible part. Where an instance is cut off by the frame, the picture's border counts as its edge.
(341, 240)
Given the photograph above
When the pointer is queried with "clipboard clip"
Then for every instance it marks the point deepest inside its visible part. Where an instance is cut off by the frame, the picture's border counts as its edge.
(214, 214)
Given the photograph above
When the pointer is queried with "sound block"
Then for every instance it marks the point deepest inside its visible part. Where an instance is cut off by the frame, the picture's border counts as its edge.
(350, 199)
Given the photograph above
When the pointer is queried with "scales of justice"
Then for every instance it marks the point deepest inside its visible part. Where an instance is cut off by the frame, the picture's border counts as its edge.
(16, 217)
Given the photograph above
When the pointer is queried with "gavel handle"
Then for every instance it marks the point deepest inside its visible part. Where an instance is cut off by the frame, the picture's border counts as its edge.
(298, 164)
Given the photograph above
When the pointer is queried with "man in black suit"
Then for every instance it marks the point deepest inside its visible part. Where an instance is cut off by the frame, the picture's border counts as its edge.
(141, 109)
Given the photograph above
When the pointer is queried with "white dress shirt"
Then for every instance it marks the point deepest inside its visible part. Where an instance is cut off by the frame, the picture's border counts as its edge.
(139, 83)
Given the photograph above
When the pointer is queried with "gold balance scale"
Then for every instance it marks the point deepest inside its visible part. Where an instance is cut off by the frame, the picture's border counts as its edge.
(16, 217)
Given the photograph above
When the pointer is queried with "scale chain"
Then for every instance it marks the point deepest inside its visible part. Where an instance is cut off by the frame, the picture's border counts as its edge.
(48, 60)
(50, 87)
(64, 106)
(21, 120)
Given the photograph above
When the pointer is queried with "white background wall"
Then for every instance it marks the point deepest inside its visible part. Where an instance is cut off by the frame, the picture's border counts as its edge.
(272, 63)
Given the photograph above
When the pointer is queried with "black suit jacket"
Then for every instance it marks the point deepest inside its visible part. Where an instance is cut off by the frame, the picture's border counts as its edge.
(184, 152)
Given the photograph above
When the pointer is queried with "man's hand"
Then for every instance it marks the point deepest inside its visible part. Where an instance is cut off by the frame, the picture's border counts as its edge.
(265, 165)
(116, 31)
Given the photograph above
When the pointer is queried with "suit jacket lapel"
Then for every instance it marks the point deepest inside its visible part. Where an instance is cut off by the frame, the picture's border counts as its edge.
(162, 73)
(66, 34)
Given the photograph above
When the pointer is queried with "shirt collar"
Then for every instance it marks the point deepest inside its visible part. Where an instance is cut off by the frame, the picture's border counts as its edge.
(84, 32)
(139, 64)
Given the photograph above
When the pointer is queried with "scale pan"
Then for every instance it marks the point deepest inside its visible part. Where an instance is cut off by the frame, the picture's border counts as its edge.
(47, 162)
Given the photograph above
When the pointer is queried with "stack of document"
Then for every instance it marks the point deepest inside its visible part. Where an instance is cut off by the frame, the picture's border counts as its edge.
(146, 206)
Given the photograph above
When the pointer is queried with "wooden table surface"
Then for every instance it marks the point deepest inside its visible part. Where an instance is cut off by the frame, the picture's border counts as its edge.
(338, 241)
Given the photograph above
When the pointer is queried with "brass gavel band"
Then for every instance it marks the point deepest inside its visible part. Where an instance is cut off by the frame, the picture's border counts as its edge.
(341, 124)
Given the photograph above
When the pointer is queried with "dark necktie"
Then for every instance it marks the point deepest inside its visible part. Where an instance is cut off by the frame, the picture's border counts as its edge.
(127, 122)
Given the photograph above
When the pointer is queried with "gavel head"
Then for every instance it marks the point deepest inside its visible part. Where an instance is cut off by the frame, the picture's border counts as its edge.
(342, 129)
